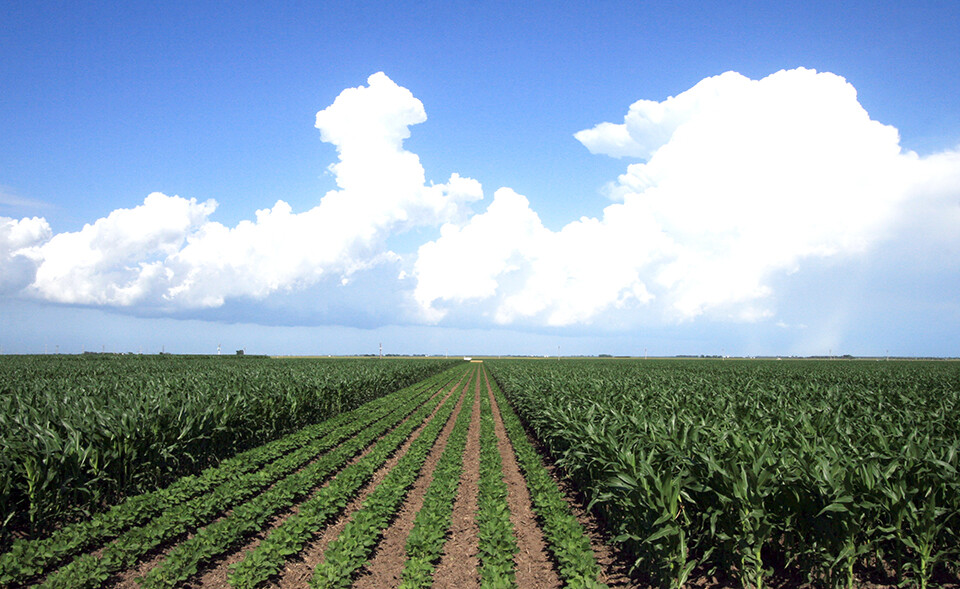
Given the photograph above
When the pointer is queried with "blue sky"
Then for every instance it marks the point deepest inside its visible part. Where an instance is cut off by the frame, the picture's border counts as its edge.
(790, 186)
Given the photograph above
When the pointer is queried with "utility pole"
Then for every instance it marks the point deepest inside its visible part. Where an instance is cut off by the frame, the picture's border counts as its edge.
(381, 350)
(218, 349)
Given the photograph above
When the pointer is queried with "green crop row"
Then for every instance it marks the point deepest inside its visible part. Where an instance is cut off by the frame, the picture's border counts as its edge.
(29, 558)
(351, 549)
(822, 471)
(565, 537)
(497, 543)
(183, 561)
(426, 540)
(79, 433)
(314, 514)
(91, 571)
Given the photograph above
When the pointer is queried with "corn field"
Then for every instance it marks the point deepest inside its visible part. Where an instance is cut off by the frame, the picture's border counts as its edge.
(257, 472)
(754, 472)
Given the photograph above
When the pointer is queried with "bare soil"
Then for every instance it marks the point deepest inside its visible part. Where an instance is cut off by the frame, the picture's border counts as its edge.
(215, 573)
(299, 571)
(614, 565)
(458, 565)
(385, 567)
(533, 566)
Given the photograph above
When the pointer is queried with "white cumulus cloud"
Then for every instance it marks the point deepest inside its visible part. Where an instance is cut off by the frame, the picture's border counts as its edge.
(168, 253)
(117, 259)
(733, 184)
(742, 180)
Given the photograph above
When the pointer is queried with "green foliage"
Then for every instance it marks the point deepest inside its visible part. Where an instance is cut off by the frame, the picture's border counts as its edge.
(497, 543)
(28, 558)
(426, 540)
(349, 551)
(287, 478)
(78, 433)
(565, 536)
(184, 560)
(734, 466)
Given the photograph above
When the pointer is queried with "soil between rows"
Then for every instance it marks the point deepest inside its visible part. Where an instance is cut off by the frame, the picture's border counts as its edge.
(299, 571)
(533, 565)
(458, 565)
(385, 567)
(613, 565)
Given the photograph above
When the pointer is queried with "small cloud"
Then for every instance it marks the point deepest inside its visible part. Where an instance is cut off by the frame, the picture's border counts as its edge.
(10, 199)
(18, 268)
(118, 260)
(649, 125)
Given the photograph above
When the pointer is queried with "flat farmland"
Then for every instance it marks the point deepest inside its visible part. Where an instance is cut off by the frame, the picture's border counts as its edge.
(418, 488)
(547, 473)
(748, 473)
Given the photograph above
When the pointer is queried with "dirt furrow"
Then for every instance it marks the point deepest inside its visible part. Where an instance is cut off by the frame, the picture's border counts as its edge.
(533, 565)
(298, 572)
(216, 575)
(386, 566)
(126, 579)
(613, 566)
(458, 565)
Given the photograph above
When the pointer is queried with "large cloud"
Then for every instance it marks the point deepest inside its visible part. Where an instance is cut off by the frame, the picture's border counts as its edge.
(167, 252)
(737, 184)
(742, 179)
